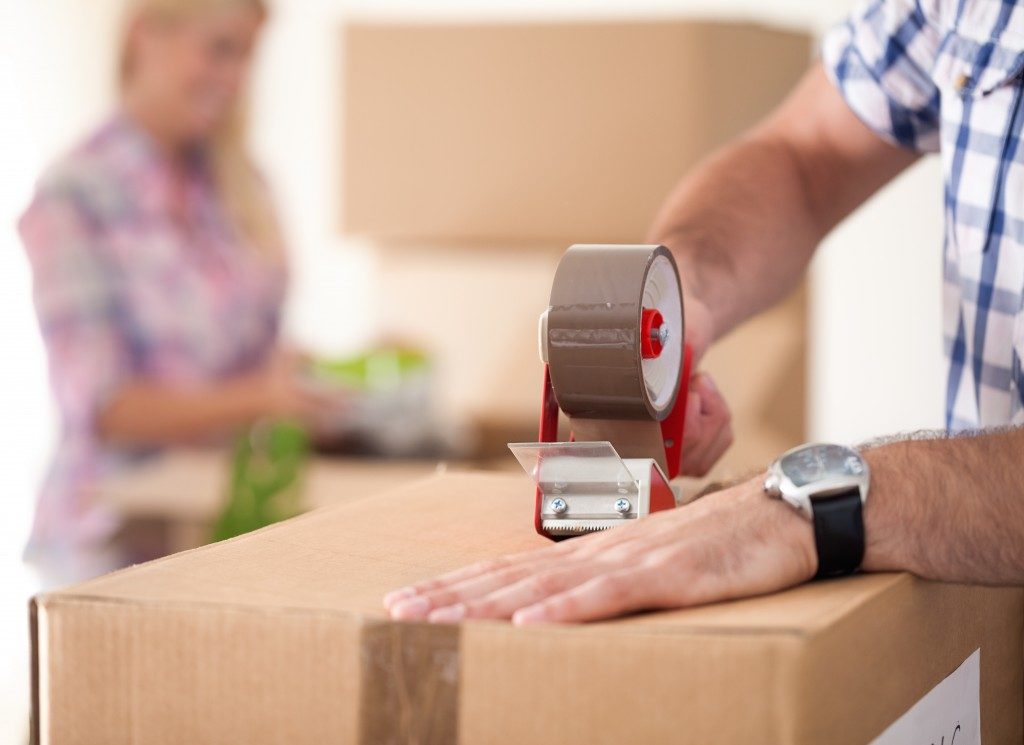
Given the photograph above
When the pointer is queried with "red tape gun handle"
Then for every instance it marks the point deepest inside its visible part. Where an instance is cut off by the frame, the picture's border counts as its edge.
(548, 433)
(672, 425)
(548, 411)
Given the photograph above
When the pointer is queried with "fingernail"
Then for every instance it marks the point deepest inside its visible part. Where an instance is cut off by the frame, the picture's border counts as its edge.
(414, 608)
(527, 616)
(709, 382)
(451, 614)
(395, 595)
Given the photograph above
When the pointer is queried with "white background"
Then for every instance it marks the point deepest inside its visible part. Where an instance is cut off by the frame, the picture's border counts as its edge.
(875, 366)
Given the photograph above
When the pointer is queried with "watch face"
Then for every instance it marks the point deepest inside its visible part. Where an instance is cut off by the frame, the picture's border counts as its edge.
(819, 462)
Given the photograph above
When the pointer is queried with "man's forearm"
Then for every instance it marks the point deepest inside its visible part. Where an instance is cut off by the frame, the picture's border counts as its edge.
(741, 229)
(949, 508)
(746, 221)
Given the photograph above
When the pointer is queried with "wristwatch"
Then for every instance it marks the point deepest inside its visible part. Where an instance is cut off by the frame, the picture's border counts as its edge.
(827, 484)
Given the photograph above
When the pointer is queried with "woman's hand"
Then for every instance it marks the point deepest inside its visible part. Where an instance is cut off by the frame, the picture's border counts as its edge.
(730, 544)
(707, 433)
(281, 393)
(154, 413)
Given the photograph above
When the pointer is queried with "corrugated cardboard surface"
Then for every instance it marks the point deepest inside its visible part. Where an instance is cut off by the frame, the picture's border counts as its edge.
(278, 637)
(560, 132)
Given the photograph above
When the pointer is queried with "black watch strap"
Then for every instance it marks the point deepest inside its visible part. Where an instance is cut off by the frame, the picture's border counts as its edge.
(839, 532)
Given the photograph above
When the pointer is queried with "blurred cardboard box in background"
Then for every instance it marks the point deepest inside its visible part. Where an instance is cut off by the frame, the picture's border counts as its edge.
(543, 134)
(474, 155)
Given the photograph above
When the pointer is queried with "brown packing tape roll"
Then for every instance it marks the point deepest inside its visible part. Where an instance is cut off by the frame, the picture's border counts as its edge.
(593, 344)
(631, 438)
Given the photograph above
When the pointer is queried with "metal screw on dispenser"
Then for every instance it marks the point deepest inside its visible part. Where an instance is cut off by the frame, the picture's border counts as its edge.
(559, 506)
(622, 506)
(660, 334)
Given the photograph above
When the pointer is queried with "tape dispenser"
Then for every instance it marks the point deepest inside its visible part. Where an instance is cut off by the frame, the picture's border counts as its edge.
(616, 364)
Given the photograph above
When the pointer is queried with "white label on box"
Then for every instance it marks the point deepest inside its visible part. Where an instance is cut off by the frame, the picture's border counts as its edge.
(949, 714)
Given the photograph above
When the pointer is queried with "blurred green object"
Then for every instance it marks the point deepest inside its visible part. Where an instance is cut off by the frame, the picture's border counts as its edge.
(266, 473)
(377, 403)
(379, 369)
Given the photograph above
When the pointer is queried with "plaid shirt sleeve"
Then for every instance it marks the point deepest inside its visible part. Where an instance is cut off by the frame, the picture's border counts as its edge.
(76, 305)
(880, 60)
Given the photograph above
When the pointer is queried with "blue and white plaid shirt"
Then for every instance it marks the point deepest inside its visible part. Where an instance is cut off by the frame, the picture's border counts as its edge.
(946, 76)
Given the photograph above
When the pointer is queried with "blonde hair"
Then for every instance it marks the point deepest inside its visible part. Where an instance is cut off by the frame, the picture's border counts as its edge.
(242, 191)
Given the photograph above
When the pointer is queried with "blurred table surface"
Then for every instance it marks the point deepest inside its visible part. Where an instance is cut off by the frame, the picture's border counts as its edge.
(182, 492)
(191, 486)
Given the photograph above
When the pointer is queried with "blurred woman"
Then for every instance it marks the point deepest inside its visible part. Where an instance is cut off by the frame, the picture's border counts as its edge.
(159, 275)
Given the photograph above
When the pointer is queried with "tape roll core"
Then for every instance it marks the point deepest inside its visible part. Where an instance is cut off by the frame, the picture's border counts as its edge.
(594, 332)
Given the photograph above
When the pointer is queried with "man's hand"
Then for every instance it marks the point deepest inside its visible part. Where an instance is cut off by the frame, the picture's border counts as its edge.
(731, 544)
(707, 432)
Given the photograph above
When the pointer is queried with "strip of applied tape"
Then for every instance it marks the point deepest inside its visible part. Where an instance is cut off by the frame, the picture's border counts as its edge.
(598, 373)
(410, 684)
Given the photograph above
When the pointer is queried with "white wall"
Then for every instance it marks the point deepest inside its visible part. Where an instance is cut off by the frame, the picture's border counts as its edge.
(52, 84)
(44, 104)
(876, 362)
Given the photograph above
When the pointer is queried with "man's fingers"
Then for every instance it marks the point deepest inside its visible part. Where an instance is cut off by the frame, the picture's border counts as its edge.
(604, 596)
(494, 589)
(504, 601)
(701, 461)
(415, 601)
(474, 588)
(459, 575)
(713, 404)
(705, 443)
(498, 593)
(692, 425)
(693, 461)
(717, 449)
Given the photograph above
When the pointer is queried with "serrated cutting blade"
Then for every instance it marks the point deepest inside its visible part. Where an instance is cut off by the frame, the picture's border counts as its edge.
(578, 527)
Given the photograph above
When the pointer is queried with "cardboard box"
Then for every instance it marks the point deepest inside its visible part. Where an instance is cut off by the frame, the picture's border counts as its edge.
(563, 132)
(279, 637)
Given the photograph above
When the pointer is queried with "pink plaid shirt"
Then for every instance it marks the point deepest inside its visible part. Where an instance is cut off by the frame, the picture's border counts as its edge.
(125, 291)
